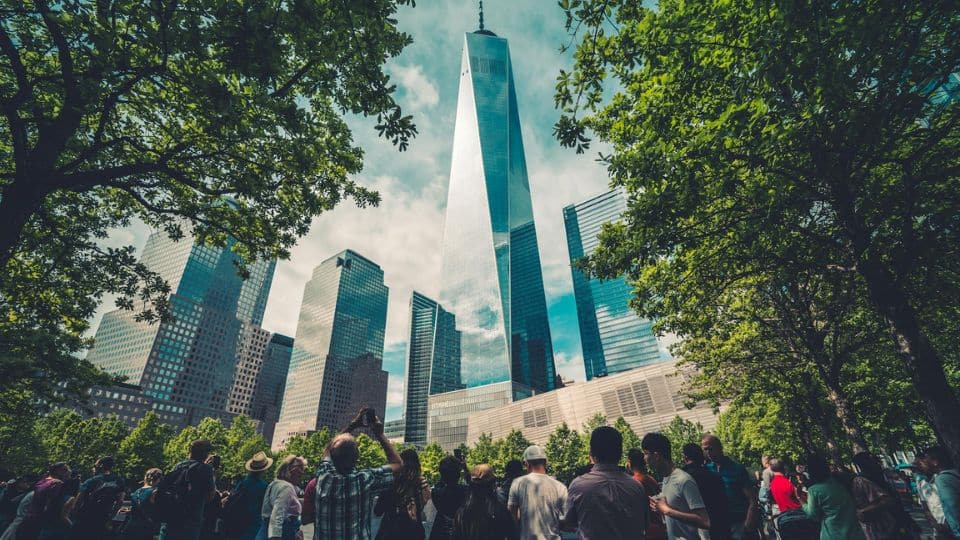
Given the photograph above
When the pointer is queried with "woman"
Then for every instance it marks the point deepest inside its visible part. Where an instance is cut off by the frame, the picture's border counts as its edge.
(830, 503)
(139, 526)
(447, 496)
(878, 507)
(402, 507)
(482, 517)
(281, 508)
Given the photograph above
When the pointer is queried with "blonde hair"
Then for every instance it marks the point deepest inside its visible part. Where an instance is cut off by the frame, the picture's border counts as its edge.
(288, 463)
(152, 476)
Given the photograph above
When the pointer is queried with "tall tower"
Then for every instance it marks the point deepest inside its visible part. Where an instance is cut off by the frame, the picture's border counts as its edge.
(614, 338)
(492, 280)
(337, 361)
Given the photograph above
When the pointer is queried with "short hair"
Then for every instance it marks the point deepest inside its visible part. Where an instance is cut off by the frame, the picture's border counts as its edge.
(818, 469)
(713, 438)
(344, 452)
(288, 464)
(656, 442)
(776, 465)
(105, 463)
(606, 445)
(200, 449)
(58, 467)
(636, 460)
(514, 467)
(450, 468)
(693, 453)
(940, 455)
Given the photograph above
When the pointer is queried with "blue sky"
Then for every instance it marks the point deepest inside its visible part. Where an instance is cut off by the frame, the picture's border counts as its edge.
(404, 234)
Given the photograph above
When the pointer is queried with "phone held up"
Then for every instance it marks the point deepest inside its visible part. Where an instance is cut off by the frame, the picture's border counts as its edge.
(371, 417)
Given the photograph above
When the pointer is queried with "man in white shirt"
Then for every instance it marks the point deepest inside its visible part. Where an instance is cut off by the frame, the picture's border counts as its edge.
(679, 500)
(537, 500)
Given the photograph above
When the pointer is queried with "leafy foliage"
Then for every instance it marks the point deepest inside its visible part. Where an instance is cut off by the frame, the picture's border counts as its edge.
(143, 447)
(681, 431)
(64, 435)
(430, 458)
(565, 450)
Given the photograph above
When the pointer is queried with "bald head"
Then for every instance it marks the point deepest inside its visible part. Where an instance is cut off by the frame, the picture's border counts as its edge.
(344, 452)
(712, 447)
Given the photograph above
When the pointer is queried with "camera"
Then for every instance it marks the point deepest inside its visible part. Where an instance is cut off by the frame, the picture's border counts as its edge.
(371, 417)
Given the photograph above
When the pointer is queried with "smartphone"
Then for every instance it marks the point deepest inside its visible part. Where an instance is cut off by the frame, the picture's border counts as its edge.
(371, 416)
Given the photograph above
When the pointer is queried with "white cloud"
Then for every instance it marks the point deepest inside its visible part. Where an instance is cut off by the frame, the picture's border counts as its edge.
(395, 392)
(417, 90)
(569, 366)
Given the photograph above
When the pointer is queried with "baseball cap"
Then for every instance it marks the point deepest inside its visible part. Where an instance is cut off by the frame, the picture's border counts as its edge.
(534, 452)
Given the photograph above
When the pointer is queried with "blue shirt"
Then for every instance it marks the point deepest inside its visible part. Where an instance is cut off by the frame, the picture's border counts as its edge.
(255, 487)
(948, 486)
(735, 480)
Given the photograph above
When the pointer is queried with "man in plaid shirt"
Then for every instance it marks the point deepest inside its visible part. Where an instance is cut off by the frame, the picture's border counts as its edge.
(345, 495)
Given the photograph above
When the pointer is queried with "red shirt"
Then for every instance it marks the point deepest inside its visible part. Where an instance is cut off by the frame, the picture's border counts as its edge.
(783, 493)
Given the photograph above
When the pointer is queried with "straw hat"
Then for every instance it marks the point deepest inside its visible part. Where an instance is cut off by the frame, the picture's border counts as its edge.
(259, 462)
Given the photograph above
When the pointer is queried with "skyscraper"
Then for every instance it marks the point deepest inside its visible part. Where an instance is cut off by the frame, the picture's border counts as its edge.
(337, 361)
(614, 338)
(492, 281)
(260, 377)
(186, 366)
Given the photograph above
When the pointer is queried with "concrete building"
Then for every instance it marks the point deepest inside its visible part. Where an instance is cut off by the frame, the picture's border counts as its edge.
(260, 377)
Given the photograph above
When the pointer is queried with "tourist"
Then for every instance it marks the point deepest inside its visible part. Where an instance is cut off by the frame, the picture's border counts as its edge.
(511, 471)
(605, 503)
(13, 494)
(878, 507)
(482, 517)
(344, 495)
(739, 487)
(537, 500)
(656, 528)
(48, 517)
(679, 501)
(929, 498)
(12, 530)
(192, 480)
(139, 525)
(241, 509)
(447, 496)
(95, 504)
(830, 503)
(402, 506)
(711, 491)
(938, 463)
(210, 528)
(280, 512)
(782, 490)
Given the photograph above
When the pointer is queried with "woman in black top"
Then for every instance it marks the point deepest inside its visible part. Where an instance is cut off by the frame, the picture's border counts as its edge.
(402, 506)
(482, 517)
(448, 496)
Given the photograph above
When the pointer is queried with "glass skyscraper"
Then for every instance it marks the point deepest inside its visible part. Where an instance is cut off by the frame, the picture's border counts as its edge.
(337, 361)
(613, 337)
(492, 281)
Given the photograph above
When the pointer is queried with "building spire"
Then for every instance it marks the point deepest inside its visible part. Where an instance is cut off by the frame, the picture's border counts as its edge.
(481, 14)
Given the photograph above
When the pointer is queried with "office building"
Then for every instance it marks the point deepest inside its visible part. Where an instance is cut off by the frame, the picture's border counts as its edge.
(260, 376)
(613, 337)
(337, 361)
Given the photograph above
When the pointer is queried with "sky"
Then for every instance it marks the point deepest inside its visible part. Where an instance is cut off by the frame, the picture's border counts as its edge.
(404, 233)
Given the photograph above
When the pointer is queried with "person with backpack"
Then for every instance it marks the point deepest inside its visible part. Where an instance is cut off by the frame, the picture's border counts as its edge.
(140, 524)
(96, 501)
(242, 507)
(939, 465)
(879, 509)
(48, 517)
(447, 496)
(181, 495)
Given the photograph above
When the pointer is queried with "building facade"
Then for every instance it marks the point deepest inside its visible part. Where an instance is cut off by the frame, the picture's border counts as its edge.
(613, 337)
(648, 398)
(337, 361)
(260, 376)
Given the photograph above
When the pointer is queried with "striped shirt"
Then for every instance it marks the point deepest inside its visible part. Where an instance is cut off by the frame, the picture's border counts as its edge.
(344, 503)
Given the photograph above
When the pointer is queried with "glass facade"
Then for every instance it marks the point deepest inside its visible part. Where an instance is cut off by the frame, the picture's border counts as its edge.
(614, 339)
(491, 276)
(336, 363)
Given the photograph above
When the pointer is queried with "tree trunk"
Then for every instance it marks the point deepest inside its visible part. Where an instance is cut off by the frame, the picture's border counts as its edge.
(848, 419)
(820, 417)
(18, 203)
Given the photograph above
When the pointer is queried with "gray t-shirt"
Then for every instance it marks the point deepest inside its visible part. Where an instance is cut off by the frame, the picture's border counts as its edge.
(541, 501)
(681, 493)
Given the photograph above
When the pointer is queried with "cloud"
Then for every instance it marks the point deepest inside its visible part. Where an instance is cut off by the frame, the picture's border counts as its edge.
(569, 366)
(395, 393)
(417, 91)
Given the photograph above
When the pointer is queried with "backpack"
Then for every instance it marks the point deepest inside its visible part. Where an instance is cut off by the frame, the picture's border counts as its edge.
(235, 515)
(97, 503)
(169, 498)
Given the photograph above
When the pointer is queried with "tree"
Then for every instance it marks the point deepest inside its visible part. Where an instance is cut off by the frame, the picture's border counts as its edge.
(222, 119)
(64, 435)
(681, 431)
(371, 453)
(485, 450)
(243, 442)
(564, 452)
(312, 447)
(511, 447)
(756, 139)
(20, 449)
(595, 421)
(630, 438)
(430, 462)
(142, 448)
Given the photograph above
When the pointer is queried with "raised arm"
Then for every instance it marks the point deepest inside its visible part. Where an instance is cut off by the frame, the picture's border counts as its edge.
(393, 458)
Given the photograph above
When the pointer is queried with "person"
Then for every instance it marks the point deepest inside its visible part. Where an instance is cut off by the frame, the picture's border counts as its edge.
(656, 528)
(280, 512)
(344, 495)
(200, 487)
(482, 517)
(741, 493)
(829, 502)
(782, 490)
(210, 527)
(946, 478)
(537, 500)
(511, 471)
(878, 506)
(447, 496)
(10, 533)
(930, 499)
(96, 501)
(48, 517)
(605, 502)
(241, 509)
(711, 491)
(139, 525)
(402, 506)
(13, 493)
(679, 501)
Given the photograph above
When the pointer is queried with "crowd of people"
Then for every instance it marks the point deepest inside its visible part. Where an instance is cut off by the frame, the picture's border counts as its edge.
(702, 494)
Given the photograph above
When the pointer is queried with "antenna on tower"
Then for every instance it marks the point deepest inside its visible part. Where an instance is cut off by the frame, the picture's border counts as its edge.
(481, 14)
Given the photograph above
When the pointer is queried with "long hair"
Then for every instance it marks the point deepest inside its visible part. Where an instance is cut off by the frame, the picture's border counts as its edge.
(408, 482)
(871, 469)
(477, 514)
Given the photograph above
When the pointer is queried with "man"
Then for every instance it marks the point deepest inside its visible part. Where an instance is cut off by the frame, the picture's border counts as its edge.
(13, 493)
(50, 506)
(96, 500)
(711, 491)
(656, 529)
(344, 495)
(536, 500)
(739, 488)
(605, 503)
(241, 509)
(198, 487)
(937, 463)
(782, 490)
(679, 501)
